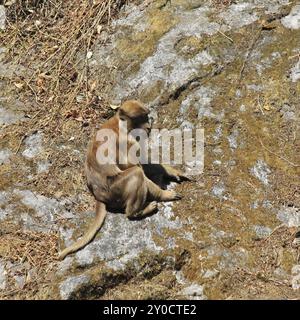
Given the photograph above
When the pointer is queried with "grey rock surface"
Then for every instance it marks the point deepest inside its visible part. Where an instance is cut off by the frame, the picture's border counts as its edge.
(196, 66)
(2, 17)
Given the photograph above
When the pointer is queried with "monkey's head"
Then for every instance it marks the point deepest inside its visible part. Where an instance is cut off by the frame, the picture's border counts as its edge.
(135, 114)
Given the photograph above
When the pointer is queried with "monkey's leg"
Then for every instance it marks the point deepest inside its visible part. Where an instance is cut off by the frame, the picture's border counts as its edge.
(131, 187)
(151, 207)
(175, 173)
(136, 189)
(137, 199)
(156, 193)
(130, 210)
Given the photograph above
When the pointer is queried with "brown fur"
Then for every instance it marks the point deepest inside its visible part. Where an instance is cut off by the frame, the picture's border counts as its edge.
(123, 186)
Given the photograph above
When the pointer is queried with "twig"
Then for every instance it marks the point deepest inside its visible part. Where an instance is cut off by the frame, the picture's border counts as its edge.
(36, 114)
(249, 51)
(33, 91)
(259, 104)
(21, 141)
(224, 35)
(274, 230)
(295, 56)
(279, 156)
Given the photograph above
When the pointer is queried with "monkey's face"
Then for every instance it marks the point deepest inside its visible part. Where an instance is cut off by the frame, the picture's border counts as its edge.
(142, 122)
(136, 115)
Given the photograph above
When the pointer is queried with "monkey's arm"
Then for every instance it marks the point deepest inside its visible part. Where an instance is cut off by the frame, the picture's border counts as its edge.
(175, 173)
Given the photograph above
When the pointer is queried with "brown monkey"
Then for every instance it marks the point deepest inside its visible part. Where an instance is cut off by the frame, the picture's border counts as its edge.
(122, 186)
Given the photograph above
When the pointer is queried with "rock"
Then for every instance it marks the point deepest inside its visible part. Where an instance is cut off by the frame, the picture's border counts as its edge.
(64, 265)
(33, 145)
(261, 171)
(114, 244)
(4, 156)
(262, 231)
(6, 208)
(217, 162)
(155, 68)
(239, 15)
(20, 281)
(3, 276)
(210, 274)
(117, 248)
(45, 209)
(292, 21)
(2, 17)
(9, 116)
(295, 71)
(232, 139)
(218, 133)
(193, 292)
(43, 166)
(290, 216)
(133, 17)
(288, 112)
(296, 277)
(200, 99)
(254, 87)
(69, 286)
(218, 190)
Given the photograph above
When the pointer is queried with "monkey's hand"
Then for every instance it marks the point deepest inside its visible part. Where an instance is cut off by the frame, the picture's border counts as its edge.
(175, 174)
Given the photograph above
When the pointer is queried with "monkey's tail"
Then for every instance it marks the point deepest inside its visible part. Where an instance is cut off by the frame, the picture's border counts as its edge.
(90, 234)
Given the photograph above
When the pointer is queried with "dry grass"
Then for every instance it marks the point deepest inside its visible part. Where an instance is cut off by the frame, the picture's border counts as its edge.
(32, 257)
(222, 3)
(261, 282)
(52, 40)
(286, 191)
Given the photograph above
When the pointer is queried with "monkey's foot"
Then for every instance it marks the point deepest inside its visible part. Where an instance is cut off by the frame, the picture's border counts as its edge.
(170, 195)
(151, 208)
(179, 176)
(176, 175)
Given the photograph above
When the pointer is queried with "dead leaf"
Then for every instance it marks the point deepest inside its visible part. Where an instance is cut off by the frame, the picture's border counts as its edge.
(89, 54)
(80, 98)
(99, 28)
(19, 85)
(50, 99)
(72, 114)
(37, 23)
(9, 2)
(40, 82)
(93, 85)
(58, 194)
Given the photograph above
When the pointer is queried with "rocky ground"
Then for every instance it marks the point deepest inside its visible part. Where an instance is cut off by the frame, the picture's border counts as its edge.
(232, 68)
